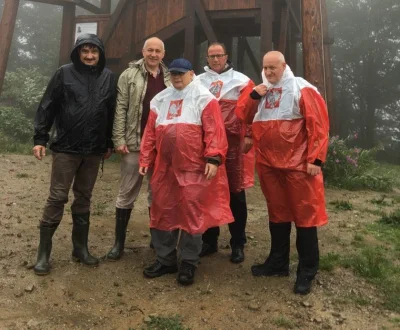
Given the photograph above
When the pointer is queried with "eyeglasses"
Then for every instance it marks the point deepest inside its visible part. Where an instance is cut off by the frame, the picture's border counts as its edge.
(211, 57)
(177, 73)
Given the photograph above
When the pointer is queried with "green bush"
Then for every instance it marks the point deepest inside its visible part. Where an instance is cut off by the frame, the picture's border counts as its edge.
(24, 89)
(350, 168)
(14, 124)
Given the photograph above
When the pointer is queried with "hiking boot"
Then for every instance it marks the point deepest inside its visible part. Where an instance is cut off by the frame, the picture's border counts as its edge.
(157, 269)
(237, 255)
(186, 273)
(303, 285)
(208, 249)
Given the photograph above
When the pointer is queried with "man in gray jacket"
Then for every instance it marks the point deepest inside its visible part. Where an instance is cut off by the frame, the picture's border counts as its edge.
(137, 85)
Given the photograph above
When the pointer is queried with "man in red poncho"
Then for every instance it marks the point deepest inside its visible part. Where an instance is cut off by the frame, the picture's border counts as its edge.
(231, 88)
(290, 131)
(185, 142)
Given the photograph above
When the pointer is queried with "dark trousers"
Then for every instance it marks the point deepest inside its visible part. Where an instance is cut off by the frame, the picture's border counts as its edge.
(66, 169)
(237, 228)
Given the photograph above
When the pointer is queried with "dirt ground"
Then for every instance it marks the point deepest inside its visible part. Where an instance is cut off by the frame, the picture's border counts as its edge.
(117, 296)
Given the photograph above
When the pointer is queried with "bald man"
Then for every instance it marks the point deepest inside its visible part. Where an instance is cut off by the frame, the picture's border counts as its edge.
(290, 132)
(137, 85)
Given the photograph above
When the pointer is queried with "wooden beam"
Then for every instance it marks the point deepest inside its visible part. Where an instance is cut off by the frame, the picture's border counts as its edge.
(283, 29)
(250, 54)
(105, 6)
(295, 13)
(163, 34)
(313, 50)
(114, 19)
(291, 49)
(81, 3)
(329, 92)
(204, 21)
(67, 33)
(189, 32)
(130, 30)
(266, 26)
(7, 25)
(229, 14)
(241, 49)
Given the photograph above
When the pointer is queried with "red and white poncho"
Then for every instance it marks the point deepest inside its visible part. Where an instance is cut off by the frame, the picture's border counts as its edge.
(290, 129)
(184, 129)
(232, 89)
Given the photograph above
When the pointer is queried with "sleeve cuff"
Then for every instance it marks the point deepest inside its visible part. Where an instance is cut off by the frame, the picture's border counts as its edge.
(318, 162)
(254, 95)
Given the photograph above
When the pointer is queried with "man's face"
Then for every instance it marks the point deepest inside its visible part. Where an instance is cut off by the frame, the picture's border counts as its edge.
(180, 80)
(89, 55)
(216, 58)
(273, 68)
(153, 53)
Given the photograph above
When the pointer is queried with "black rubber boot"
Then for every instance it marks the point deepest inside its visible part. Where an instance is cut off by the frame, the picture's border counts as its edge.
(277, 263)
(210, 241)
(47, 231)
(122, 217)
(80, 233)
(308, 250)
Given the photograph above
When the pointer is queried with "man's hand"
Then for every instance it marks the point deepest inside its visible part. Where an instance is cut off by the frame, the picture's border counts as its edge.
(261, 89)
(143, 170)
(39, 151)
(247, 145)
(211, 170)
(313, 169)
(123, 149)
(107, 154)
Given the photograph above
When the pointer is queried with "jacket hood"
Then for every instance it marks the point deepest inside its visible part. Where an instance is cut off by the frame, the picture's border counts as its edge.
(93, 39)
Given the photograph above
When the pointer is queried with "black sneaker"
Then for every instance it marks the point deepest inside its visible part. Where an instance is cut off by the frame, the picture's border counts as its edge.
(237, 255)
(266, 269)
(186, 273)
(303, 285)
(157, 269)
(208, 249)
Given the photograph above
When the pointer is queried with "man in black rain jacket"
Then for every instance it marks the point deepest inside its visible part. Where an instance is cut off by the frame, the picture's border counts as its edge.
(80, 102)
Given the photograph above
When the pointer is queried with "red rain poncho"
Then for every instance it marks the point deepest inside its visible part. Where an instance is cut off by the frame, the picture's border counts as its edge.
(290, 129)
(232, 88)
(184, 129)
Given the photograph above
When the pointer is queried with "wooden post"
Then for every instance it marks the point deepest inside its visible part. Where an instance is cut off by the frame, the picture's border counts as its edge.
(106, 6)
(189, 32)
(241, 49)
(67, 33)
(313, 55)
(7, 25)
(283, 28)
(328, 69)
(267, 17)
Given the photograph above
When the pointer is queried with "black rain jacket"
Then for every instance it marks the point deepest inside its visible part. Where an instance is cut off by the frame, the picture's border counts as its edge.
(80, 100)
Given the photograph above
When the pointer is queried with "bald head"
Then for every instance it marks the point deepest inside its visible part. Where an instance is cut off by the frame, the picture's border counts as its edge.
(153, 52)
(274, 65)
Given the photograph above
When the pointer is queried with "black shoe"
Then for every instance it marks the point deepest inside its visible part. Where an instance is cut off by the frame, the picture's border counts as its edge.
(42, 266)
(303, 285)
(208, 249)
(80, 234)
(186, 273)
(266, 269)
(237, 255)
(121, 223)
(157, 269)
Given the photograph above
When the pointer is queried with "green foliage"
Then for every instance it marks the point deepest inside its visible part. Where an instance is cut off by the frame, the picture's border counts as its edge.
(164, 323)
(14, 146)
(351, 168)
(329, 261)
(282, 322)
(342, 205)
(23, 89)
(14, 124)
(392, 218)
(380, 201)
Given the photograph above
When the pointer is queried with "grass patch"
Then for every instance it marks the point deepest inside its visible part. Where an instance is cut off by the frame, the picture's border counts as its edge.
(22, 175)
(342, 205)
(380, 201)
(99, 208)
(164, 323)
(329, 261)
(9, 145)
(392, 218)
(283, 322)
